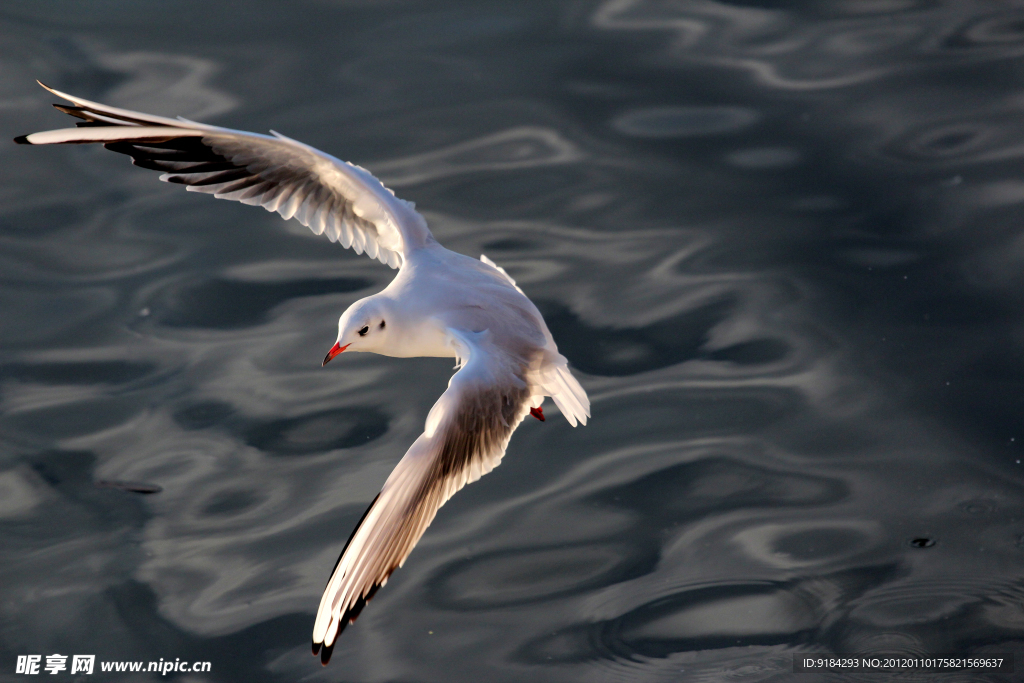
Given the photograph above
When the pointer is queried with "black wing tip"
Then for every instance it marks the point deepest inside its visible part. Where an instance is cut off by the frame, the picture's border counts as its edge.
(326, 652)
(349, 617)
(22, 140)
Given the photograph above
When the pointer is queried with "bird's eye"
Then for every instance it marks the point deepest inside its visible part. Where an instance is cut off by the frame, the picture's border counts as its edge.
(362, 332)
(382, 324)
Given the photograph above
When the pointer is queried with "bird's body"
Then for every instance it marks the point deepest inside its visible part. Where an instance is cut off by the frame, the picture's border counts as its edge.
(440, 304)
(422, 296)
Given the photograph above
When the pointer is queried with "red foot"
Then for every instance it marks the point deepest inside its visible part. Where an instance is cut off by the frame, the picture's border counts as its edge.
(537, 413)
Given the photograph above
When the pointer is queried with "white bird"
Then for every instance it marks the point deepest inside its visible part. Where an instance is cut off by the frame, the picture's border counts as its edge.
(441, 304)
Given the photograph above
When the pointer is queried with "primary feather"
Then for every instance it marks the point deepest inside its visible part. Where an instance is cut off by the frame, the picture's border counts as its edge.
(331, 197)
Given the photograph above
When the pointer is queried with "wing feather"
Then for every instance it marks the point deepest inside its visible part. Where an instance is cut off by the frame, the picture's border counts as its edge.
(466, 435)
(283, 175)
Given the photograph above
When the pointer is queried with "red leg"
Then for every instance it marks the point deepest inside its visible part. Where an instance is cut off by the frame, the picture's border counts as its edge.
(537, 413)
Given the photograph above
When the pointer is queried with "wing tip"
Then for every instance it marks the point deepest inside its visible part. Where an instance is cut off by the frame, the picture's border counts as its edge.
(350, 615)
(326, 652)
(22, 140)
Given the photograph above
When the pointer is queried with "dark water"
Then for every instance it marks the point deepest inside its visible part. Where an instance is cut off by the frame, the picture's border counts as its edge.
(781, 242)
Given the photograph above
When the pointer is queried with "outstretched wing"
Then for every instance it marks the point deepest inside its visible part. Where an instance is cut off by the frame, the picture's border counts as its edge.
(465, 437)
(330, 196)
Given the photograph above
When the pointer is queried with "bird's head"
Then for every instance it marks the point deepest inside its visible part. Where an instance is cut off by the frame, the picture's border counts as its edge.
(363, 327)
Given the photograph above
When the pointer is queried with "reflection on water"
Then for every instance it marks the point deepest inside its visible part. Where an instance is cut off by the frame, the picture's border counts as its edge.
(780, 243)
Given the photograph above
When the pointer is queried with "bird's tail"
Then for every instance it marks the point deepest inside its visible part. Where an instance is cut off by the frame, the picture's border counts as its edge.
(558, 383)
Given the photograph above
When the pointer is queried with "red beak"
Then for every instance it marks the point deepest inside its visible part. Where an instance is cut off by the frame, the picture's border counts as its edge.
(335, 350)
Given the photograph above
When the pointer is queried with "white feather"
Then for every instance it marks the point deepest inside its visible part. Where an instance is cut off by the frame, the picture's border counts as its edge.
(300, 177)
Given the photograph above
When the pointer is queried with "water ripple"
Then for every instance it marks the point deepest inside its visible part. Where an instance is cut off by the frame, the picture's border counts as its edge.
(518, 148)
(671, 122)
(757, 232)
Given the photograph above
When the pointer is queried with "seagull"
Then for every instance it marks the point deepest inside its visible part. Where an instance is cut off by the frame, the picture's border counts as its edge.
(441, 304)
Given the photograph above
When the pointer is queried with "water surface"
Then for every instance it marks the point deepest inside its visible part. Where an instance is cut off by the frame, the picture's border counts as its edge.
(780, 243)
